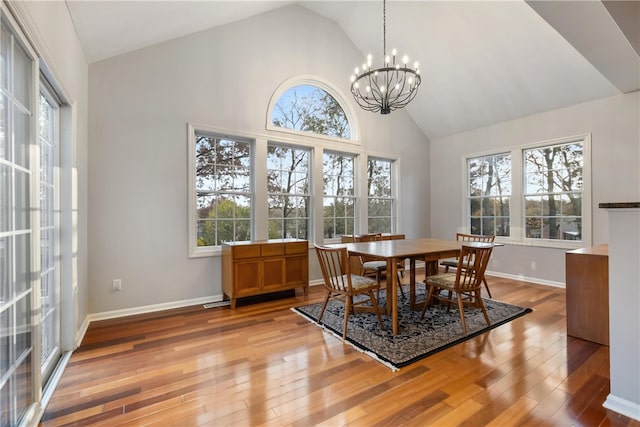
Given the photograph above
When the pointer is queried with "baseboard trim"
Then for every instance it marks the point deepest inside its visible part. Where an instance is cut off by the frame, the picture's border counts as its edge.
(527, 279)
(623, 406)
(81, 332)
(114, 314)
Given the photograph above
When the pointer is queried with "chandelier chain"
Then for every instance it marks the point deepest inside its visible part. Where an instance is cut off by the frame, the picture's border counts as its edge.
(384, 28)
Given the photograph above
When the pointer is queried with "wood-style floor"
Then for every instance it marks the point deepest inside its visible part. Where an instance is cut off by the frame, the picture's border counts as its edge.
(262, 364)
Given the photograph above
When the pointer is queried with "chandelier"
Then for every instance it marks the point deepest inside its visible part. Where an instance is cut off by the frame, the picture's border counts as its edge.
(389, 87)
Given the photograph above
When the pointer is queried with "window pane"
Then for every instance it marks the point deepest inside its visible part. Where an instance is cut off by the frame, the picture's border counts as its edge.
(489, 194)
(224, 190)
(380, 189)
(288, 191)
(21, 131)
(5, 145)
(338, 212)
(308, 108)
(557, 171)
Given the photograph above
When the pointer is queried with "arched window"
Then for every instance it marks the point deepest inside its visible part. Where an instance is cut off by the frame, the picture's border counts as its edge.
(304, 105)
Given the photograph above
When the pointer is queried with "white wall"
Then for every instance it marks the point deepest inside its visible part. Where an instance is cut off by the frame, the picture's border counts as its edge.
(51, 31)
(614, 125)
(140, 104)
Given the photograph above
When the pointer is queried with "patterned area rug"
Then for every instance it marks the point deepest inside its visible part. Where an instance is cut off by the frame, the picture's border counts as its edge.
(416, 338)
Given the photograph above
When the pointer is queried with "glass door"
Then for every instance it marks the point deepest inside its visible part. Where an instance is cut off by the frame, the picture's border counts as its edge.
(49, 233)
(16, 227)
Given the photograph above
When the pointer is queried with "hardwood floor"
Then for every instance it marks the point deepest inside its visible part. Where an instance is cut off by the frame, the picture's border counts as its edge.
(262, 364)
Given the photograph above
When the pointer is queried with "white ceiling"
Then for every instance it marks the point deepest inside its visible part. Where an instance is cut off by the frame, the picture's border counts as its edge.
(482, 62)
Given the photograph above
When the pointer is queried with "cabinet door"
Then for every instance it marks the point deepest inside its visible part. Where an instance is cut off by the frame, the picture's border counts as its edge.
(273, 273)
(247, 277)
(297, 267)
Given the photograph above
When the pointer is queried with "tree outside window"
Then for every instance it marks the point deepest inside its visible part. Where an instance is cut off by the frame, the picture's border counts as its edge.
(288, 192)
(489, 187)
(308, 108)
(553, 191)
(339, 194)
(223, 190)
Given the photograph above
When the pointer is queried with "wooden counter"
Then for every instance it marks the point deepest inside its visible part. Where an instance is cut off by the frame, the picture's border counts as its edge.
(587, 289)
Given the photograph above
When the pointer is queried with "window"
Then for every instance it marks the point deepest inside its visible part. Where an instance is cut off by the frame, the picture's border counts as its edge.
(288, 191)
(549, 182)
(553, 192)
(18, 228)
(489, 186)
(380, 203)
(339, 200)
(223, 189)
(308, 108)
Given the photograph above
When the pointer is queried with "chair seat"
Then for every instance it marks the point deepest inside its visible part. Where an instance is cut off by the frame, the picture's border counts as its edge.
(449, 262)
(444, 280)
(361, 282)
(377, 265)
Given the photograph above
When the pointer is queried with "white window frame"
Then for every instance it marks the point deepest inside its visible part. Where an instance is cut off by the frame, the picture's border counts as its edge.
(517, 220)
(394, 175)
(309, 195)
(196, 251)
(483, 196)
(354, 196)
(321, 84)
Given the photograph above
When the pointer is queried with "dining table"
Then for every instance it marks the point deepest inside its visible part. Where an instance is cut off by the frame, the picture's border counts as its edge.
(394, 251)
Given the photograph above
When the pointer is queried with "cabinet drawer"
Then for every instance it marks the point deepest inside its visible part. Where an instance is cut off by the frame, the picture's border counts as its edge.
(273, 249)
(249, 251)
(297, 248)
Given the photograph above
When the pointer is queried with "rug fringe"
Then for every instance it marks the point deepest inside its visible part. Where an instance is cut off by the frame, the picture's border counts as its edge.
(347, 341)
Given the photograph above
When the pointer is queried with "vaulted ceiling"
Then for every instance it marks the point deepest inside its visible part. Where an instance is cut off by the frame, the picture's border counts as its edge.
(482, 62)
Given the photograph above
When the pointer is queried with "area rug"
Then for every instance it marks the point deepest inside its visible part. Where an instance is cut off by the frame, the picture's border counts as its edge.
(416, 338)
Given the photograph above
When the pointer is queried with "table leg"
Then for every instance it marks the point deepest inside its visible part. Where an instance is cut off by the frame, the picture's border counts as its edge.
(412, 283)
(392, 270)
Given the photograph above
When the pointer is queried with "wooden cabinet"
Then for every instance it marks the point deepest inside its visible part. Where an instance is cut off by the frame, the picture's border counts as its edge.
(259, 267)
(587, 290)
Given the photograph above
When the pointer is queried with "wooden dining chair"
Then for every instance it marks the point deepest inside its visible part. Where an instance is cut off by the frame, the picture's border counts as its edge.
(375, 267)
(340, 283)
(462, 237)
(463, 287)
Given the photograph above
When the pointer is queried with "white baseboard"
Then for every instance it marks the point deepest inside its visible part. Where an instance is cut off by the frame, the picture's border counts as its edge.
(152, 308)
(623, 406)
(81, 332)
(527, 279)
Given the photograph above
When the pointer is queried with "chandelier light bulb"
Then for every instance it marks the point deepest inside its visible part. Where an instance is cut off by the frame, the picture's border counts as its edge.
(394, 52)
(368, 89)
(416, 65)
(357, 71)
(382, 89)
(353, 78)
(405, 60)
(386, 59)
